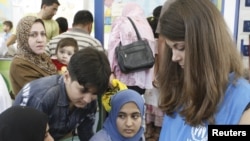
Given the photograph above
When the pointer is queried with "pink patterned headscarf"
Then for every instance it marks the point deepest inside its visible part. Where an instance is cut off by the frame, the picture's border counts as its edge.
(132, 9)
(136, 13)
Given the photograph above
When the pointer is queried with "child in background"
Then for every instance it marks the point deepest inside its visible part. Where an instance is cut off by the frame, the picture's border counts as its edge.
(63, 24)
(66, 47)
(7, 26)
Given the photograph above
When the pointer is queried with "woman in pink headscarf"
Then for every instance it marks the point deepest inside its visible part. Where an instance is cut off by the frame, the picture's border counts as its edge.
(123, 31)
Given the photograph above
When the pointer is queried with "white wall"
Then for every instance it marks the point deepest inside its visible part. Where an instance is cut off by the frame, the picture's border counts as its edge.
(67, 8)
(229, 14)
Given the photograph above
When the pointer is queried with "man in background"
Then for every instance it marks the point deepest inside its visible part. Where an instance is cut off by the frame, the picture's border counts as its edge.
(48, 10)
(80, 31)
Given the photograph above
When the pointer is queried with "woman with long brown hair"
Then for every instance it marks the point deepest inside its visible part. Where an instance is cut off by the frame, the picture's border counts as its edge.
(201, 74)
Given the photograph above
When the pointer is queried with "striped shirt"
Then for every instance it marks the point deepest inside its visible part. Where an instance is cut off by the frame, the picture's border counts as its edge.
(83, 39)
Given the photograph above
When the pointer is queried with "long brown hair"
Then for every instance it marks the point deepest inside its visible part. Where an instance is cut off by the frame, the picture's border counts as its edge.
(210, 55)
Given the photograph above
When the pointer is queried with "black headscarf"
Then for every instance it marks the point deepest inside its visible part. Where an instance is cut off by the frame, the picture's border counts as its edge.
(20, 123)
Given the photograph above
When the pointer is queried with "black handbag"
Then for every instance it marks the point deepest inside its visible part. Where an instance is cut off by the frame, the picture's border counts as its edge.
(136, 56)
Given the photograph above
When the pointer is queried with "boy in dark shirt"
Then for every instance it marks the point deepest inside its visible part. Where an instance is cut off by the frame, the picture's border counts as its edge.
(70, 100)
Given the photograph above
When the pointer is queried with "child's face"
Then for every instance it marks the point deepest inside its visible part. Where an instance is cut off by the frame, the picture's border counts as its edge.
(64, 54)
(129, 120)
(78, 95)
(6, 28)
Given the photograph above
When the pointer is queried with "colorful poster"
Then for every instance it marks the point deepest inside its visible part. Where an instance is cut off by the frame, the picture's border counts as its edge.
(113, 8)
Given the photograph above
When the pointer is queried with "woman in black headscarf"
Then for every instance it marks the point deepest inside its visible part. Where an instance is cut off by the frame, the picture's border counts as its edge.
(20, 123)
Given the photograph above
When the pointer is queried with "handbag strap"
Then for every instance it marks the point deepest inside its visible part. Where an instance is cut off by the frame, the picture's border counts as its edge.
(136, 31)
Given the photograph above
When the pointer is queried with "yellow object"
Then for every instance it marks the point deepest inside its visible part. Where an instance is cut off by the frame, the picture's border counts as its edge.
(119, 84)
(116, 86)
(107, 12)
(63, 70)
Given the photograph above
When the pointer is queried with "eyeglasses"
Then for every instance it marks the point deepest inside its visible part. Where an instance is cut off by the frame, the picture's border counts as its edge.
(35, 34)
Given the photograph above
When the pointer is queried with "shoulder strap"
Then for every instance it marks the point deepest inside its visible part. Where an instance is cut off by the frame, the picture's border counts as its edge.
(136, 31)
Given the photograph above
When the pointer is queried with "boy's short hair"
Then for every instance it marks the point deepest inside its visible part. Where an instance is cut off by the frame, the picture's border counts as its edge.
(90, 68)
(8, 23)
(49, 2)
(67, 42)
